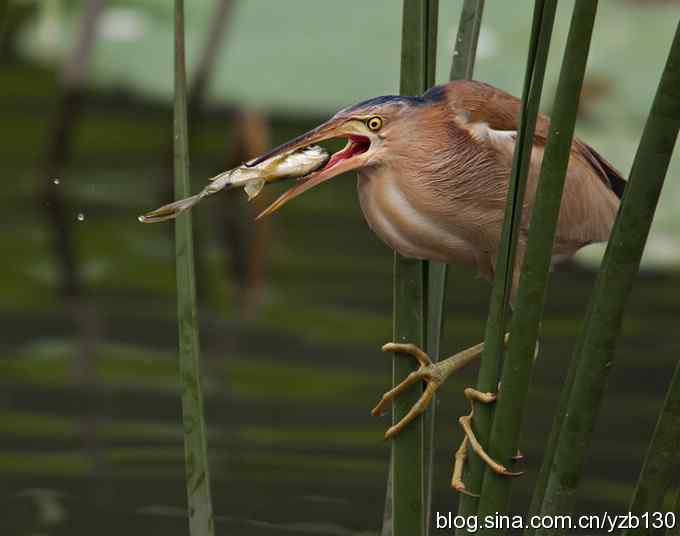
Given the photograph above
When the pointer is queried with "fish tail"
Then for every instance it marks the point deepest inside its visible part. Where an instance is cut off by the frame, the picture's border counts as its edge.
(171, 210)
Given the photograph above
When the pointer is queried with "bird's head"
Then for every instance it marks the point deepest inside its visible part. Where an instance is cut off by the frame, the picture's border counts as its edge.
(374, 130)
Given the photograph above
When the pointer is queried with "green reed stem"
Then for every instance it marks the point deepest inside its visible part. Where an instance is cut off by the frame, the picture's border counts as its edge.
(617, 274)
(526, 319)
(661, 460)
(435, 292)
(201, 521)
(544, 15)
(410, 299)
(462, 66)
(465, 50)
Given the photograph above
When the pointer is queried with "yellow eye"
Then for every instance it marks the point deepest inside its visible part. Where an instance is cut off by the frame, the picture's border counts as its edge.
(374, 123)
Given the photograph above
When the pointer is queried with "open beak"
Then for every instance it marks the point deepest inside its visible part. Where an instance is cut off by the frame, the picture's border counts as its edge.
(354, 155)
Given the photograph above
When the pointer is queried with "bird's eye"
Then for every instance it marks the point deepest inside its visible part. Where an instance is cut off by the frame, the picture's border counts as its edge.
(374, 123)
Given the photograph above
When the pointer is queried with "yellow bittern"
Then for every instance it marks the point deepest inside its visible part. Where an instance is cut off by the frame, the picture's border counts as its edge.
(433, 174)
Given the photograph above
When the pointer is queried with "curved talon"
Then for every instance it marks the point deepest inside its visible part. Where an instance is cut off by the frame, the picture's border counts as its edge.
(473, 394)
(457, 477)
(417, 408)
(390, 395)
(460, 488)
(411, 349)
(479, 450)
(426, 372)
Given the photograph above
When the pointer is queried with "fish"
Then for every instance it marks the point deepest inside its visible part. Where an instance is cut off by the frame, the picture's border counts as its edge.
(252, 178)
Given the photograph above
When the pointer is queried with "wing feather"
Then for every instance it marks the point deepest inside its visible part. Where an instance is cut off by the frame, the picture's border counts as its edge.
(479, 103)
(593, 186)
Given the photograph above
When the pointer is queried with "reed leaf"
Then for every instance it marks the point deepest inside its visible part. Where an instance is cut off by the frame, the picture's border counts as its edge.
(617, 274)
(199, 501)
(434, 290)
(462, 66)
(526, 319)
(661, 459)
(465, 49)
(544, 15)
(410, 302)
(435, 293)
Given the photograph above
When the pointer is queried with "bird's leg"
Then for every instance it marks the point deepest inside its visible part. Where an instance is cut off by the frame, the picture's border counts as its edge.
(434, 374)
(470, 439)
(461, 453)
(466, 422)
(458, 464)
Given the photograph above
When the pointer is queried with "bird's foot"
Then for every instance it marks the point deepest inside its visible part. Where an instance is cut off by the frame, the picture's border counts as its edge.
(427, 372)
(470, 439)
(433, 374)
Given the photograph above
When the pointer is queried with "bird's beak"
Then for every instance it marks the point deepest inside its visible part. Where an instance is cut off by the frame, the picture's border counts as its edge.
(354, 155)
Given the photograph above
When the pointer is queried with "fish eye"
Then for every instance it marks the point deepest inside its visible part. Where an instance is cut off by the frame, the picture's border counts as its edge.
(375, 123)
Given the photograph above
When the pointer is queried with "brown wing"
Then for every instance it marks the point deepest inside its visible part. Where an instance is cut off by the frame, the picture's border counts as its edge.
(613, 177)
(484, 103)
(593, 186)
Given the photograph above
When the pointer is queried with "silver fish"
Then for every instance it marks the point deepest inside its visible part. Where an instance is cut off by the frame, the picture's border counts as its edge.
(252, 179)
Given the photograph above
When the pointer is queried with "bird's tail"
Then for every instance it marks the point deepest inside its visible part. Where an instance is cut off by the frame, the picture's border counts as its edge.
(171, 210)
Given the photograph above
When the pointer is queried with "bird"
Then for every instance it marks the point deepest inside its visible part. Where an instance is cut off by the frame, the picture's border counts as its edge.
(432, 178)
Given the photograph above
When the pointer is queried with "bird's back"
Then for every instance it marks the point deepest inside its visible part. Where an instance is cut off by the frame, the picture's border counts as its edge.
(455, 174)
(489, 117)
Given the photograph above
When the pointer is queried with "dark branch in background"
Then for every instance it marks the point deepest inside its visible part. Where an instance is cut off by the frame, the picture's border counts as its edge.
(61, 219)
(245, 244)
(58, 151)
(206, 63)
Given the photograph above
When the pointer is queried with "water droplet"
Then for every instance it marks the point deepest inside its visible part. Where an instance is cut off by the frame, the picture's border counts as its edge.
(81, 216)
(56, 181)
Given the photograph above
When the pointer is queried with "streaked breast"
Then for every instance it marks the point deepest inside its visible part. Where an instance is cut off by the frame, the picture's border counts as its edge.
(401, 222)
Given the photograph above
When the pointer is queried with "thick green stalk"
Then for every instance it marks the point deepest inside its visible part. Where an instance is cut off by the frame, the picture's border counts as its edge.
(434, 288)
(526, 319)
(619, 269)
(195, 444)
(462, 67)
(553, 439)
(661, 460)
(544, 15)
(435, 293)
(408, 497)
(407, 447)
(465, 50)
